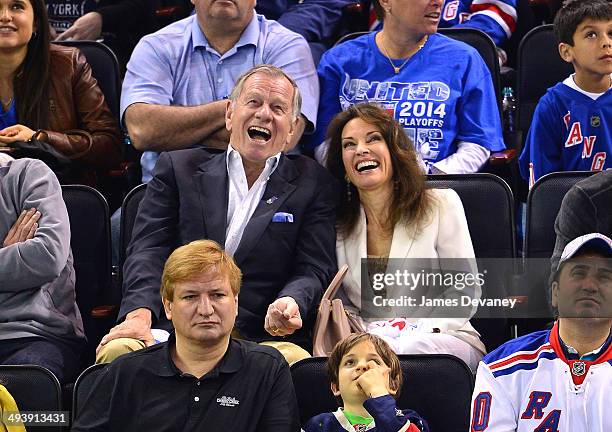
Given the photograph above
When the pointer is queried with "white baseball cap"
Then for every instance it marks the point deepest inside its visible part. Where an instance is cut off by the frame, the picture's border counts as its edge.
(596, 241)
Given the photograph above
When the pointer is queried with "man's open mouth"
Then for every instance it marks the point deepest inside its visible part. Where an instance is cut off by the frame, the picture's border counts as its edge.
(259, 133)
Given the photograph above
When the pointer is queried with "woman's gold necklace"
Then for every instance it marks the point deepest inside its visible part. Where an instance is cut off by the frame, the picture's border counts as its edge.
(397, 69)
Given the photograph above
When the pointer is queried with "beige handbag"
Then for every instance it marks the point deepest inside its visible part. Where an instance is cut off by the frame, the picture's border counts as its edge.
(333, 323)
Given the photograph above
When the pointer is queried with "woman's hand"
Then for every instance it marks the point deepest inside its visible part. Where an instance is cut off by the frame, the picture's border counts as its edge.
(15, 133)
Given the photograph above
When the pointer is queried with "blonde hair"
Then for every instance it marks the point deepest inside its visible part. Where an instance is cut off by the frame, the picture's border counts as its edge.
(198, 257)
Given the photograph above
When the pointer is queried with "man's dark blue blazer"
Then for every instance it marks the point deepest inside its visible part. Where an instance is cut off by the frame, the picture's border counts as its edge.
(187, 200)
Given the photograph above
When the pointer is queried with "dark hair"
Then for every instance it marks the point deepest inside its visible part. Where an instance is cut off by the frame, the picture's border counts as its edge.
(31, 82)
(410, 201)
(380, 12)
(574, 12)
(588, 249)
(382, 349)
(556, 276)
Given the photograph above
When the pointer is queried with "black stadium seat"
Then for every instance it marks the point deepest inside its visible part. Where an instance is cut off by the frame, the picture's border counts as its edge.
(437, 386)
(539, 67)
(84, 386)
(129, 209)
(543, 204)
(34, 388)
(90, 243)
(489, 210)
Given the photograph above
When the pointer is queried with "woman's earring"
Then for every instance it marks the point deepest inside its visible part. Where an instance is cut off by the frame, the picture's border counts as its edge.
(349, 193)
(34, 35)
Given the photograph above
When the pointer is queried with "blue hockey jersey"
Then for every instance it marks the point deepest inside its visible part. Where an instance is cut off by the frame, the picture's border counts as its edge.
(569, 132)
(443, 95)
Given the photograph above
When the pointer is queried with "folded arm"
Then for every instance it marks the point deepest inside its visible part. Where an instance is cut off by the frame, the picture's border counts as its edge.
(30, 184)
(163, 128)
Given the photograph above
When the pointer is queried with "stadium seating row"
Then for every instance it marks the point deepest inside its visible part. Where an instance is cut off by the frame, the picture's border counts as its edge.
(427, 379)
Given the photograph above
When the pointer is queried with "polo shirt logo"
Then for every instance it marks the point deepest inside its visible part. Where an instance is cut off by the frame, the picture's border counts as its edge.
(228, 401)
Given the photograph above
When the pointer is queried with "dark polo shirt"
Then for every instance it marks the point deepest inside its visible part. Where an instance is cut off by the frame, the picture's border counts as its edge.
(250, 389)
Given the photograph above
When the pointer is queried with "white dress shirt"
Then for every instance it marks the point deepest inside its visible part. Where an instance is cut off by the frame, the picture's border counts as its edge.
(243, 201)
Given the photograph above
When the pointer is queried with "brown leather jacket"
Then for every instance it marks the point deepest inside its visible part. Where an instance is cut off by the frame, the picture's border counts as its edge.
(80, 124)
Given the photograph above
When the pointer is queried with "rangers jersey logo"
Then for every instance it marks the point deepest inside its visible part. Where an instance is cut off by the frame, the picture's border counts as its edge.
(578, 368)
(450, 10)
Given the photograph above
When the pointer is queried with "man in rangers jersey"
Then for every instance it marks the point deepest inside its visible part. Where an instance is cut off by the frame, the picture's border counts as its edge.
(497, 18)
(571, 129)
(559, 379)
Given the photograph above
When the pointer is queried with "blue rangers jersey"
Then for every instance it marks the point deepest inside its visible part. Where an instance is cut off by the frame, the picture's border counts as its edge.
(497, 18)
(569, 132)
(443, 95)
(528, 385)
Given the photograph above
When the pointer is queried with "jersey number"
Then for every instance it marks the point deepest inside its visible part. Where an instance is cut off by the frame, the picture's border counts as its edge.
(480, 413)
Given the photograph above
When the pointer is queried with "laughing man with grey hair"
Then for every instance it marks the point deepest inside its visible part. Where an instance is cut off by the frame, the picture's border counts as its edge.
(273, 212)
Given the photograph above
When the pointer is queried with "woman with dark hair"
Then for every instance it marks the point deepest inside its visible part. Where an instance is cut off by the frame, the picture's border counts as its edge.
(439, 89)
(47, 92)
(389, 216)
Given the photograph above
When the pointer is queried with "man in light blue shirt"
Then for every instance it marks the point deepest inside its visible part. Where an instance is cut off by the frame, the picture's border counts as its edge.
(177, 78)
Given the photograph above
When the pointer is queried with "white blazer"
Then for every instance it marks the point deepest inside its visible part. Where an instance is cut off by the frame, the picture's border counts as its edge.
(444, 235)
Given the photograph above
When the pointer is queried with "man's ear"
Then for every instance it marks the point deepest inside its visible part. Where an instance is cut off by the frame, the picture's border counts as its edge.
(335, 390)
(554, 298)
(167, 308)
(236, 298)
(384, 4)
(293, 126)
(229, 112)
(566, 52)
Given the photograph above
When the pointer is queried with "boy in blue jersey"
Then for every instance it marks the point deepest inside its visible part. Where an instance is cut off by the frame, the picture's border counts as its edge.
(365, 377)
(571, 126)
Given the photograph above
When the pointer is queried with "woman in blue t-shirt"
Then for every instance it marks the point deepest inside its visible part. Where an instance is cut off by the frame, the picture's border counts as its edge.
(440, 90)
